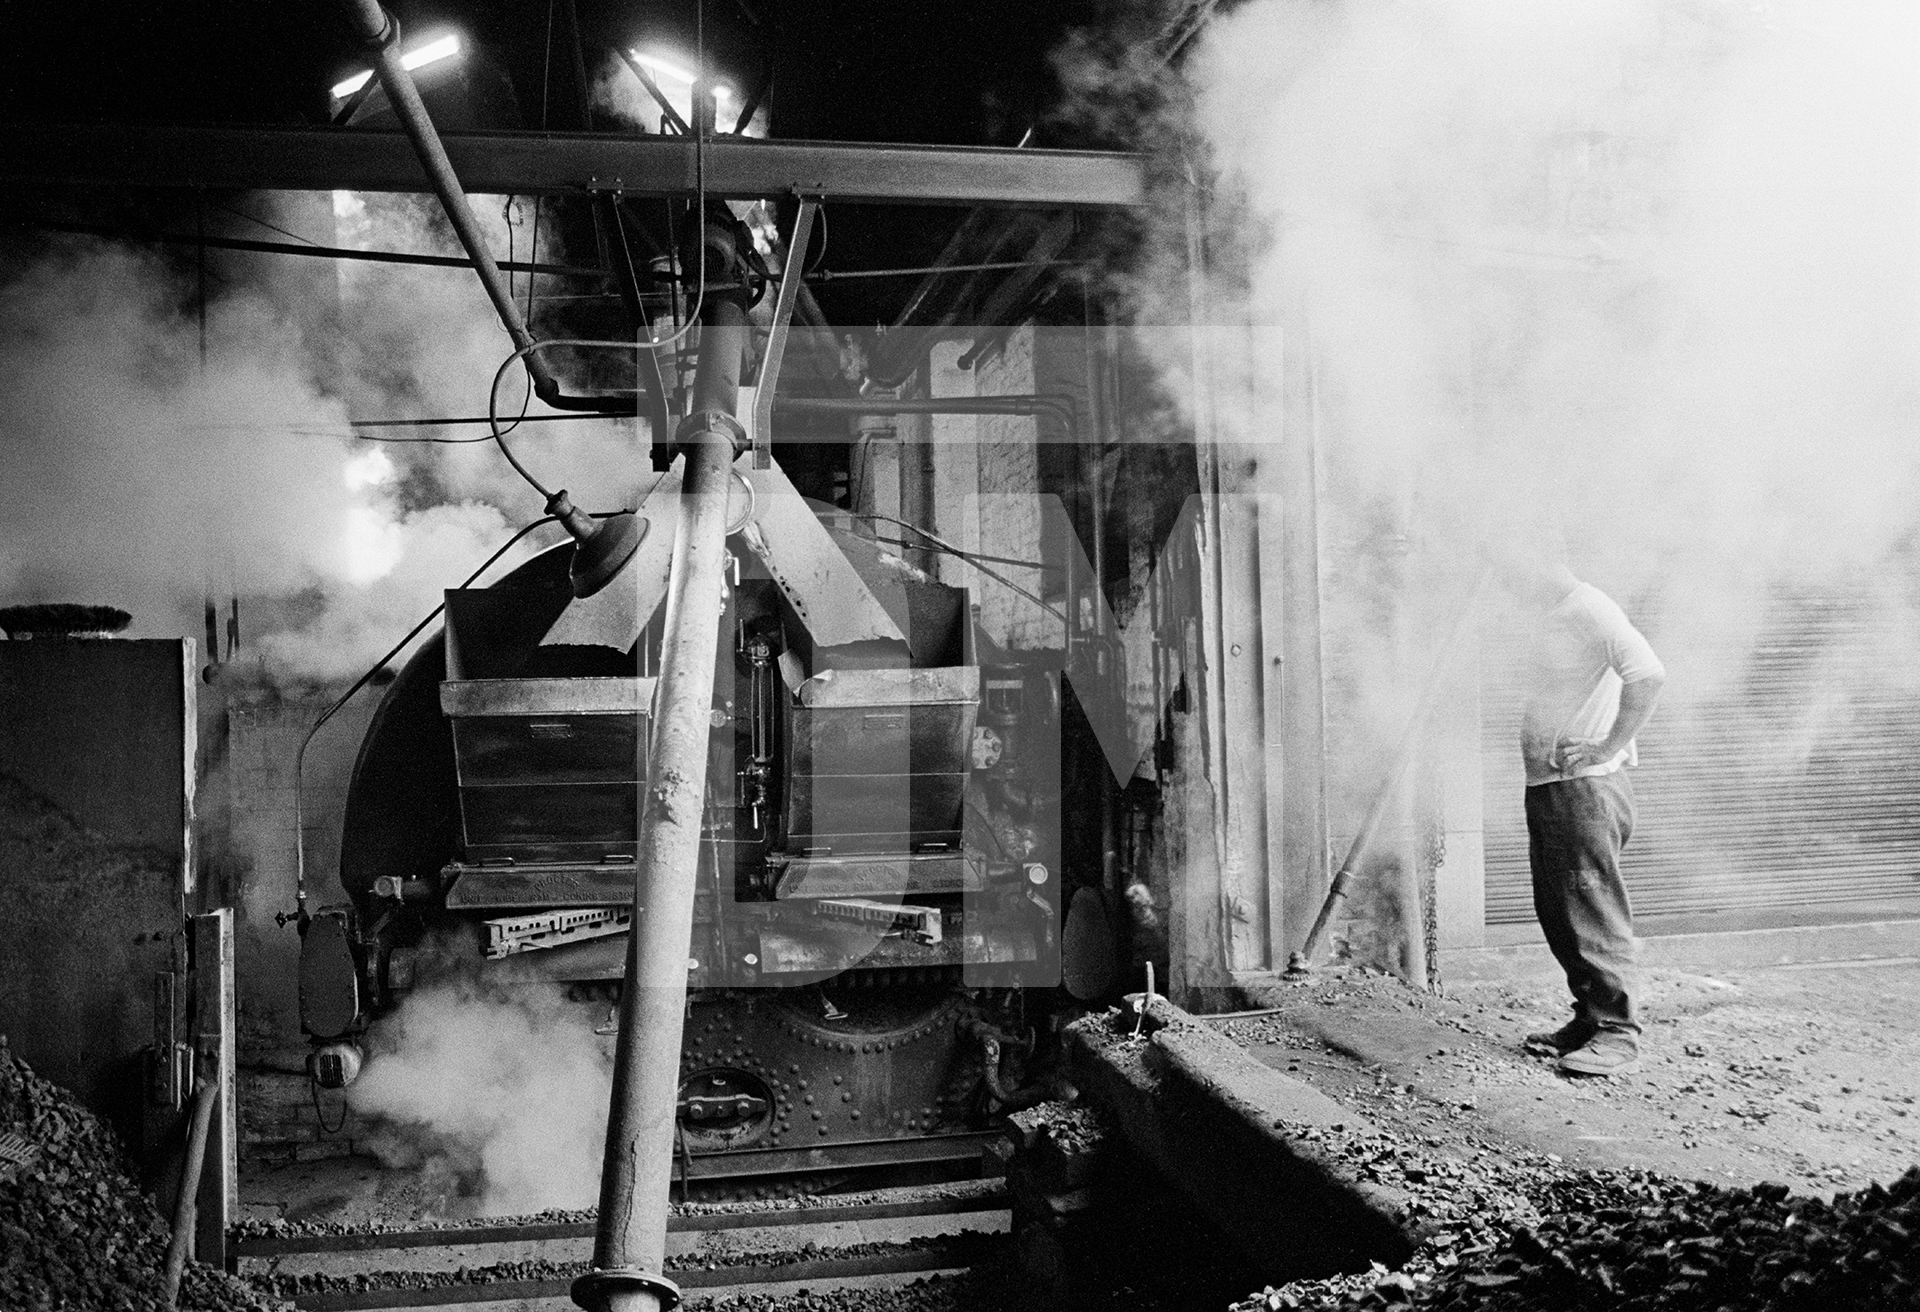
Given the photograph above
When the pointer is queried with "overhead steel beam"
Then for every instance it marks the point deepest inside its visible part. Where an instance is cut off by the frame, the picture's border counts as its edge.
(551, 163)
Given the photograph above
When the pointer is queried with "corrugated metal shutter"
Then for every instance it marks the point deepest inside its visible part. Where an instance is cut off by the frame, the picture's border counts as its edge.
(1791, 792)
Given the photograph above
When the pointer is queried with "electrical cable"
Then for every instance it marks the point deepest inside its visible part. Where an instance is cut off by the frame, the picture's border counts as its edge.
(313, 1088)
(651, 343)
(647, 368)
(300, 756)
(493, 391)
(526, 398)
(546, 96)
(533, 257)
(426, 441)
(450, 421)
(271, 227)
(493, 397)
(971, 557)
(506, 221)
(546, 70)
(453, 421)
(626, 250)
(975, 555)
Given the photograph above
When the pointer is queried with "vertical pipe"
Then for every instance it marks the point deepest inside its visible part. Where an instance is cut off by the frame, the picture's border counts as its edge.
(629, 1248)
(1212, 617)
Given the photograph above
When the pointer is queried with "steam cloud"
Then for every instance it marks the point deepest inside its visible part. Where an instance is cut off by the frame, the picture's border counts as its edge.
(143, 475)
(1647, 268)
(508, 1092)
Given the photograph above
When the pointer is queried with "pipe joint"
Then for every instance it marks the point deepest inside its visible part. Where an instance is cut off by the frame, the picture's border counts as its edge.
(389, 34)
(700, 423)
(373, 24)
(732, 268)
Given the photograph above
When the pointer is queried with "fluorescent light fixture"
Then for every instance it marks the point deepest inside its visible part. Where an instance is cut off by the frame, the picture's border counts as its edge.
(430, 53)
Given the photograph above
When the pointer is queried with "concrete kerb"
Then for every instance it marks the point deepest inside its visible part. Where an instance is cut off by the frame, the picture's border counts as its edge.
(1224, 1129)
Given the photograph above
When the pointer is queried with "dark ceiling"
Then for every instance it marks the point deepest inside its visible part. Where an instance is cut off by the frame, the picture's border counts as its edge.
(972, 73)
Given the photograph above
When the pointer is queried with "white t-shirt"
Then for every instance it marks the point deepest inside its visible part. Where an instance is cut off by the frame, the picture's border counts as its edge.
(1584, 651)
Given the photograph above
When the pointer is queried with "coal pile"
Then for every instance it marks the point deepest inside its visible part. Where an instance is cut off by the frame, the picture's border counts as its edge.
(76, 1233)
(1605, 1241)
(963, 1293)
(1071, 1128)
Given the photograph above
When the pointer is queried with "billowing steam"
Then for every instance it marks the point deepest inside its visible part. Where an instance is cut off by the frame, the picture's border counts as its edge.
(508, 1093)
(132, 474)
(147, 473)
(1648, 269)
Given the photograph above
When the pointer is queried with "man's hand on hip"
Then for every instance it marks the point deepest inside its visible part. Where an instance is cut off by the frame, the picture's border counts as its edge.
(1580, 753)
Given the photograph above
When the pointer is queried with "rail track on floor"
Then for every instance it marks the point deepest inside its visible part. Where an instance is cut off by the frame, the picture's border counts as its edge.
(752, 1249)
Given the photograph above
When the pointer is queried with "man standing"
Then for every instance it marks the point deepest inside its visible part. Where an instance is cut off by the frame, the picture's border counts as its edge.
(1592, 682)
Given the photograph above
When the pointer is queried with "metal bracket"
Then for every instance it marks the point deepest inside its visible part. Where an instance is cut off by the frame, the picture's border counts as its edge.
(596, 1288)
(711, 421)
(791, 272)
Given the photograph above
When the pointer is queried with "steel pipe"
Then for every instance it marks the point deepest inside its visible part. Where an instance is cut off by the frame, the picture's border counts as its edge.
(630, 1236)
(382, 32)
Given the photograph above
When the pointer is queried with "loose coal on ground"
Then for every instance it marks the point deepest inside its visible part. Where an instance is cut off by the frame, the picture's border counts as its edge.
(1515, 1181)
(965, 1250)
(76, 1232)
(296, 1227)
(1799, 1075)
(1641, 1244)
(1530, 1190)
(965, 1293)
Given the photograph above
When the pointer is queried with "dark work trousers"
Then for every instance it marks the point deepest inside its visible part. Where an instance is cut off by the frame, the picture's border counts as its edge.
(1575, 830)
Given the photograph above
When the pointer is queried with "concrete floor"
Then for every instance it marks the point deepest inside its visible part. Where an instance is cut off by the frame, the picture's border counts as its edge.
(1805, 1073)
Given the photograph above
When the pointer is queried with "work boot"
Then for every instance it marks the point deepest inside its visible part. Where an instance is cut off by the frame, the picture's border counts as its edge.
(1609, 1052)
(1558, 1043)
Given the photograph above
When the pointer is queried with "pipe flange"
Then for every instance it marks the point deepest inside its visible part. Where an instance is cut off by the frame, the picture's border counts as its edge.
(592, 1289)
(388, 36)
(711, 421)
